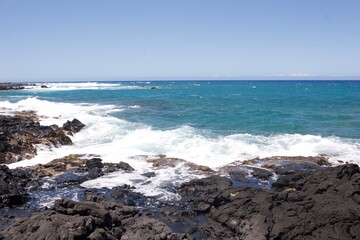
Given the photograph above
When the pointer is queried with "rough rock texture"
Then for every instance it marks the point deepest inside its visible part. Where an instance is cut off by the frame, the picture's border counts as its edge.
(323, 204)
(20, 133)
(73, 126)
(162, 161)
(12, 186)
(316, 204)
(73, 220)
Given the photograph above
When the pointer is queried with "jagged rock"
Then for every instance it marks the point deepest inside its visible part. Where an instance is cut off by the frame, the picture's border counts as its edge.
(73, 220)
(59, 166)
(321, 204)
(73, 126)
(13, 183)
(316, 204)
(20, 133)
(125, 166)
(94, 173)
(94, 163)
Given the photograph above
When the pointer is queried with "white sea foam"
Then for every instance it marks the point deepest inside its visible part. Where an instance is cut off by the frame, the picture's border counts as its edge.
(118, 140)
(81, 85)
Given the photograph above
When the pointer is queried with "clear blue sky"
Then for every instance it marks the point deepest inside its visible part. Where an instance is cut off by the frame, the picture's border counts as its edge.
(179, 39)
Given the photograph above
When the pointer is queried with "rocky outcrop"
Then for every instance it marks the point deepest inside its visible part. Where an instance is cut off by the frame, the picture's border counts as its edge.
(310, 204)
(162, 161)
(13, 86)
(73, 220)
(322, 204)
(73, 126)
(21, 132)
(12, 186)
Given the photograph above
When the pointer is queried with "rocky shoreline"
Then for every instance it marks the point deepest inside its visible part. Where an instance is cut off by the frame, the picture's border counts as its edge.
(270, 198)
(14, 86)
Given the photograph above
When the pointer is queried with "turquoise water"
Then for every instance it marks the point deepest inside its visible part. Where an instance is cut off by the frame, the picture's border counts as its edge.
(325, 108)
(206, 123)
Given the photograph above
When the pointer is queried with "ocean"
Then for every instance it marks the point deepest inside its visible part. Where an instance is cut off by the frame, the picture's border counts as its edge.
(209, 123)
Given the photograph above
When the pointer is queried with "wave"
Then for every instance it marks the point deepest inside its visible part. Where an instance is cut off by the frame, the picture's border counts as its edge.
(83, 86)
(118, 140)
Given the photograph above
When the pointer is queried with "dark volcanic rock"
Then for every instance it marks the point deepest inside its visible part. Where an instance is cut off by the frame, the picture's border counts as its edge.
(12, 186)
(73, 220)
(149, 174)
(13, 86)
(316, 204)
(94, 163)
(322, 204)
(20, 133)
(125, 166)
(73, 126)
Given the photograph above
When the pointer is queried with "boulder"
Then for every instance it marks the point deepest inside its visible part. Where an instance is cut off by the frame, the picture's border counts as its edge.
(73, 126)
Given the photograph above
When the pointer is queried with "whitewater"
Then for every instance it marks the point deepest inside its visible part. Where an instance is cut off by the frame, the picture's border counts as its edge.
(132, 129)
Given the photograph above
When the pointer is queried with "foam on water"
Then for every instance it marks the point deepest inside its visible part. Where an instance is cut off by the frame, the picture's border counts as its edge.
(118, 140)
(82, 86)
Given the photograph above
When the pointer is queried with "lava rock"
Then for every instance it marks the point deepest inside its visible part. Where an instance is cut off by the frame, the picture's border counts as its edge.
(149, 174)
(73, 126)
(21, 132)
(125, 166)
(94, 163)
(13, 183)
(320, 204)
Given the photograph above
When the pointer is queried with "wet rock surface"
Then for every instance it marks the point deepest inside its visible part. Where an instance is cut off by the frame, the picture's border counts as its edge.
(73, 126)
(310, 204)
(13, 183)
(322, 204)
(20, 133)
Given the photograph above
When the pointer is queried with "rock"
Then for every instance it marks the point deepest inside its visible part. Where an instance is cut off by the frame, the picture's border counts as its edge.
(73, 126)
(94, 163)
(44, 86)
(125, 167)
(238, 176)
(320, 204)
(13, 183)
(261, 174)
(149, 174)
(319, 160)
(163, 161)
(94, 173)
(59, 165)
(21, 132)
(72, 220)
(13, 86)
(70, 178)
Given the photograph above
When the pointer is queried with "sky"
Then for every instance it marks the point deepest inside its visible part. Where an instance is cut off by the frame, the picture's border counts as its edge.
(48, 40)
